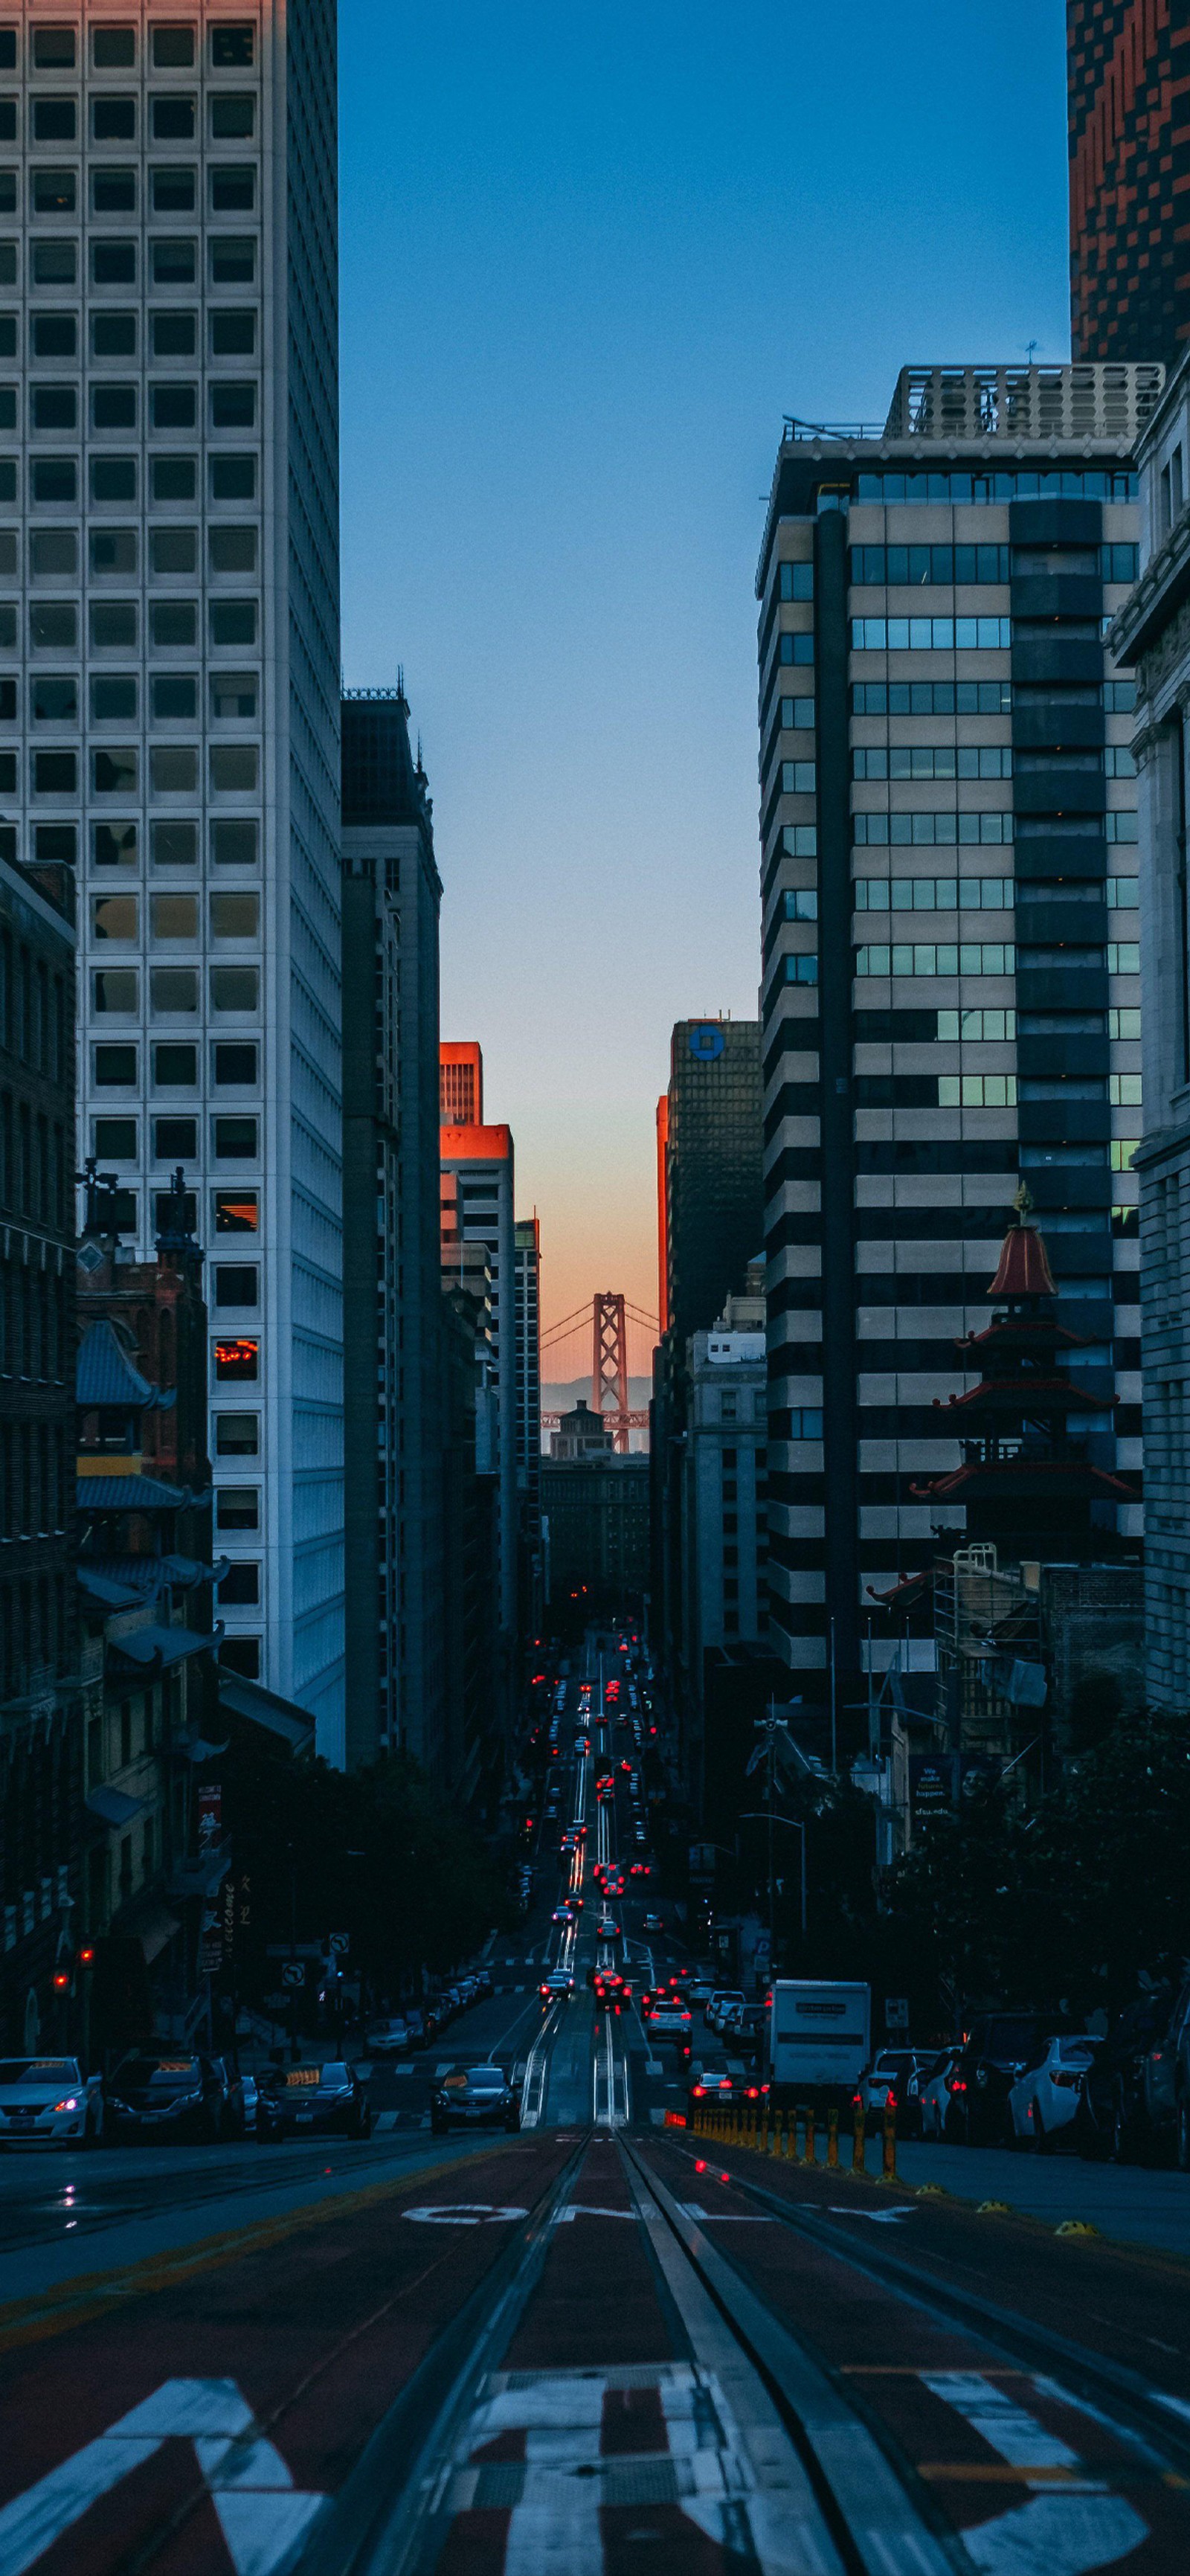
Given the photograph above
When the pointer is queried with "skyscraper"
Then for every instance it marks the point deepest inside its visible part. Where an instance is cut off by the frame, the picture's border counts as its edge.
(943, 736)
(169, 555)
(480, 1157)
(714, 1210)
(527, 1241)
(392, 1314)
(1129, 128)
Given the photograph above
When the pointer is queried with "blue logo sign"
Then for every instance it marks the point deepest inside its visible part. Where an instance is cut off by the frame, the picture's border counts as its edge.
(707, 1041)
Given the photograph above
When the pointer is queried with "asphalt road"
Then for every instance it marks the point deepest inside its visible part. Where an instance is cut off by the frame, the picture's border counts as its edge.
(601, 2344)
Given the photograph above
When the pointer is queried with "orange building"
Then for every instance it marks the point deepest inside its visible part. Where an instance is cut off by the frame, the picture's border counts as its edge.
(460, 1083)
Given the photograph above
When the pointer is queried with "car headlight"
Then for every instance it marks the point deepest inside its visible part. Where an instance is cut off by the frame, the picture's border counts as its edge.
(69, 2102)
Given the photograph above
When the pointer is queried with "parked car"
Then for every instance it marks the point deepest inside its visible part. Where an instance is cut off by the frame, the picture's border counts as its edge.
(474, 2097)
(178, 2096)
(1110, 2116)
(894, 2081)
(719, 2001)
(49, 2100)
(312, 2098)
(653, 1923)
(996, 2049)
(416, 2026)
(935, 2093)
(1044, 2099)
(743, 2029)
(388, 2037)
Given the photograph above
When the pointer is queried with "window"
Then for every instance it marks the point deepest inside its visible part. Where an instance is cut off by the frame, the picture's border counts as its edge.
(924, 830)
(114, 845)
(55, 701)
(233, 621)
(1119, 761)
(233, 694)
(236, 1285)
(233, 116)
(113, 550)
(931, 698)
(115, 988)
(801, 970)
(795, 581)
(237, 1435)
(800, 905)
(1124, 1091)
(55, 844)
(1122, 894)
(173, 989)
(55, 192)
(113, 335)
(919, 958)
(113, 49)
(795, 648)
(800, 840)
(234, 1063)
(237, 1507)
(934, 894)
(236, 1211)
(805, 1422)
(173, 406)
(114, 773)
(233, 334)
(115, 1067)
(977, 1091)
(174, 696)
(115, 1139)
(115, 916)
(54, 478)
(113, 625)
(172, 262)
(1119, 697)
(173, 623)
(173, 48)
(233, 478)
(235, 988)
(54, 120)
(113, 263)
(174, 478)
(173, 769)
(113, 192)
(241, 1583)
(232, 549)
(173, 550)
(172, 334)
(235, 1140)
(235, 845)
(174, 845)
(237, 1360)
(53, 407)
(995, 1026)
(233, 260)
(234, 768)
(1123, 1024)
(1119, 562)
(113, 478)
(235, 916)
(797, 715)
(173, 191)
(932, 760)
(915, 565)
(799, 778)
(55, 335)
(113, 120)
(175, 1068)
(173, 118)
(113, 701)
(1122, 1150)
(175, 1140)
(233, 191)
(241, 1655)
(930, 634)
(55, 773)
(1123, 957)
(174, 916)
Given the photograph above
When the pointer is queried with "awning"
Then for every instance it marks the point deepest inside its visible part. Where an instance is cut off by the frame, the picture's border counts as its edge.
(161, 1648)
(113, 1808)
(197, 1749)
(259, 1707)
(150, 1922)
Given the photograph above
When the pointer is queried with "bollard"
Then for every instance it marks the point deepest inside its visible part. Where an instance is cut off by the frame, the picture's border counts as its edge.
(858, 2162)
(811, 2142)
(890, 2142)
(763, 2139)
(799, 2125)
(785, 2136)
(832, 2136)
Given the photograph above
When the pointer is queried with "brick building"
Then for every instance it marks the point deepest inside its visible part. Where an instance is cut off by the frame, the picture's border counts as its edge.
(1129, 130)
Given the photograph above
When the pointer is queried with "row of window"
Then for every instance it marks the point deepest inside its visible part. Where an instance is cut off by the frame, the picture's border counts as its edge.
(54, 551)
(932, 760)
(172, 117)
(36, 1159)
(231, 261)
(233, 769)
(927, 957)
(1063, 482)
(230, 915)
(175, 1140)
(914, 565)
(172, 334)
(174, 990)
(234, 1064)
(174, 844)
(114, 480)
(55, 48)
(36, 1013)
(934, 894)
(173, 190)
(114, 624)
(115, 698)
(878, 831)
(931, 698)
(930, 634)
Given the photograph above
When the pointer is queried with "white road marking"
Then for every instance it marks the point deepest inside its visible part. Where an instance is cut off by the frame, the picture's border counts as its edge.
(883, 2217)
(462, 2213)
(723, 2217)
(588, 2209)
(264, 2518)
(1061, 2532)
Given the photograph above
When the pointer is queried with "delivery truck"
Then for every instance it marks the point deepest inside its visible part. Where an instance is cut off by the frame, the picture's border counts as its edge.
(819, 2038)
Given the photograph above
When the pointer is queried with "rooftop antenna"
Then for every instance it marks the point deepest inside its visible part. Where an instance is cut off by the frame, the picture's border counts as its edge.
(1031, 347)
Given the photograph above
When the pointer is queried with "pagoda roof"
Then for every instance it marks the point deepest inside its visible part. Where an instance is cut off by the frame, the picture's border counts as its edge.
(1024, 1394)
(1022, 1332)
(105, 1375)
(1025, 1476)
(909, 1589)
(1024, 1269)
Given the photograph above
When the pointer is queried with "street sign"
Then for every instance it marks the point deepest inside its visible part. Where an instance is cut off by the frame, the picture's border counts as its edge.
(293, 1973)
(210, 1954)
(896, 2012)
(339, 1943)
(293, 1950)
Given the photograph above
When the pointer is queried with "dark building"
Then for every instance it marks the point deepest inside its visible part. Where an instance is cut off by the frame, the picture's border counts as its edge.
(41, 1721)
(392, 1321)
(1129, 140)
(527, 1250)
(950, 953)
(714, 1206)
(596, 1511)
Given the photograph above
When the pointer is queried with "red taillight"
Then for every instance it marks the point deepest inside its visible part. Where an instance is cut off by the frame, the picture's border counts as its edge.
(955, 2084)
(857, 2101)
(699, 2090)
(890, 2101)
(753, 2093)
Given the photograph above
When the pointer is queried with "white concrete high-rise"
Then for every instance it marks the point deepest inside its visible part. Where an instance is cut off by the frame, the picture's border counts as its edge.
(169, 571)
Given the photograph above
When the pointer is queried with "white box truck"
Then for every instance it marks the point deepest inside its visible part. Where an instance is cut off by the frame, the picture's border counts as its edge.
(819, 2036)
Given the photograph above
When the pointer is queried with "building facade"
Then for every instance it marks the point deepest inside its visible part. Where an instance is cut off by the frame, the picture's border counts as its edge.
(1129, 145)
(1153, 630)
(943, 734)
(479, 1159)
(597, 1509)
(527, 1243)
(392, 1318)
(725, 1497)
(714, 1207)
(41, 1713)
(169, 551)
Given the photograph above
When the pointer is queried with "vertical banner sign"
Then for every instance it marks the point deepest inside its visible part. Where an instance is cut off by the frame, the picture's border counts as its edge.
(210, 1815)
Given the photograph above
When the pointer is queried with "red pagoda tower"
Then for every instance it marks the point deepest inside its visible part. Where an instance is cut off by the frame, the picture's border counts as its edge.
(1027, 1481)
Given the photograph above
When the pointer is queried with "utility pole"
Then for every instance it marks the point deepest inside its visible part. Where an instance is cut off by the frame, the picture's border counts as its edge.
(834, 1709)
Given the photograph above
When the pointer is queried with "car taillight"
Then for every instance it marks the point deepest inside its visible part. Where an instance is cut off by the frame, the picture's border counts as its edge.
(890, 2101)
(754, 2093)
(699, 2090)
(955, 2084)
(857, 2101)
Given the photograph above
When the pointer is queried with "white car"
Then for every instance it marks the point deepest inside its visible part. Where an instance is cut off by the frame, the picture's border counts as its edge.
(719, 2002)
(670, 2021)
(49, 2100)
(1044, 2098)
(388, 2038)
(935, 2094)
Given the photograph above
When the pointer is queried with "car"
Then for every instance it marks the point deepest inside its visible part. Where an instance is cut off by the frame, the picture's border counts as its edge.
(1044, 2099)
(715, 2077)
(301, 2098)
(719, 2001)
(474, 2097)
(669, 2019)
(388, 2037)
(416, 2025)
(562, 1914)
(935, 2093)
(893, 2082)
(743, 2029)
(483, 1982)
(700, 1988)
(609, 1989)
(653, 1923)
(995, 2051)
(607, 1928)
(558, 1986)
(153, 2095)
(1109, 2119)
(49, 2100)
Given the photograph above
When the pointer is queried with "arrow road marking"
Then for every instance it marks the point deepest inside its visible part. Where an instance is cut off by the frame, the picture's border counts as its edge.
(883, 2217)
(456, 2213)
(1064, 2532)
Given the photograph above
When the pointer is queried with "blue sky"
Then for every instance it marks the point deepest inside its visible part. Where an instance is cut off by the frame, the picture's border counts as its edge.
(589, 259)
